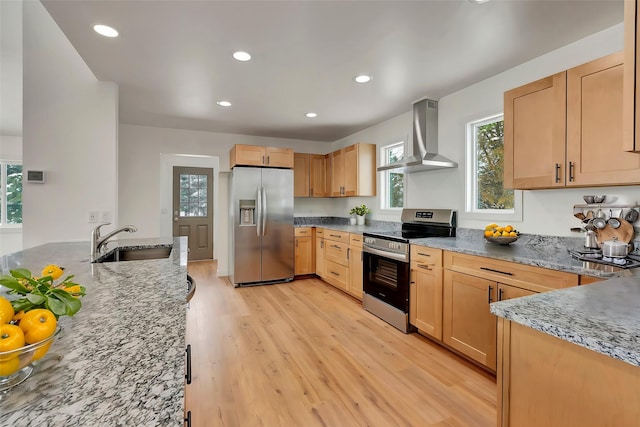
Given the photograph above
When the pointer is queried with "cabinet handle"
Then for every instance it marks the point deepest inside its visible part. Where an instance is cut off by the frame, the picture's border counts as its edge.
(188, 376)
(489, 295)
(500, 294)
(496, 271)
(557, 172)
(188, 419)
(425, 266)
(335, 235)
(263, 160)
(571, 170)
(322, 244)
(311, 191)
(361, 259)
(420, 253)
(348, 251)
(336, 246)
(335, 274)
(296, 243)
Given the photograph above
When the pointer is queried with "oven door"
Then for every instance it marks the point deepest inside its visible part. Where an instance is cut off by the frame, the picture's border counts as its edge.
(386, 279)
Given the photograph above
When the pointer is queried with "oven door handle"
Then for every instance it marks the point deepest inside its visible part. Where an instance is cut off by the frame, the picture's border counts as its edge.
(385, 254)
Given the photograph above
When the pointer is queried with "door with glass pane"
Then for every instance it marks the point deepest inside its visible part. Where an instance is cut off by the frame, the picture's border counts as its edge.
(193, 209)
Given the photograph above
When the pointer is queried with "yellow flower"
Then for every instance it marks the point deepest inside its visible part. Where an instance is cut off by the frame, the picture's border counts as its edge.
(52, 271)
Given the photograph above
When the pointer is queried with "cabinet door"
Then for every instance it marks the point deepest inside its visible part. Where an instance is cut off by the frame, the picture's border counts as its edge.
(337, 173)
(595, 150)
(426, 280)
(468, 325)
(318, 176)
(355, 271)
(534, 134)
(320, 257)
(300, 175)
(249, 155)
(506, 292)
(304, 255)
(351, 170)
(278, 157)
(631, 95)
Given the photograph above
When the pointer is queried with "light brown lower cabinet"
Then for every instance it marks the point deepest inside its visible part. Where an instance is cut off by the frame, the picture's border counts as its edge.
(425, 299)
(320, 271)
(336, 261)
(546, 381)
(355, 266)
(467, 324)
(304, 251)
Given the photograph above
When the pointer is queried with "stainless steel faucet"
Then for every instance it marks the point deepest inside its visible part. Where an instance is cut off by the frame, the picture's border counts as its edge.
(98, 242)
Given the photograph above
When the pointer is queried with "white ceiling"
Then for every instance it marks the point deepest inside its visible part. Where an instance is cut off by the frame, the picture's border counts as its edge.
(172, 60)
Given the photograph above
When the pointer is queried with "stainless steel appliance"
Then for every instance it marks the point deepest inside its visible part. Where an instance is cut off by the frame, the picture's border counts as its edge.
(386, 262)
(262, 237)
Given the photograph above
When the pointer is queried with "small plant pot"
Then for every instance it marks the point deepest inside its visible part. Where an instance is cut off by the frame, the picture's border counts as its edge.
(360, 219)
(352, 220)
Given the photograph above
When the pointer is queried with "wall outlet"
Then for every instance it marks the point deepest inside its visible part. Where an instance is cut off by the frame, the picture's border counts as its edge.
(106, 216)
(93, 216)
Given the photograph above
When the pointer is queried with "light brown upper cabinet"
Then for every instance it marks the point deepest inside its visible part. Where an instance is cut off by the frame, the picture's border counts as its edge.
(254, 155)
(300, 175)
(353, 171)
(631, 94)
(539, 130)
(310, 175)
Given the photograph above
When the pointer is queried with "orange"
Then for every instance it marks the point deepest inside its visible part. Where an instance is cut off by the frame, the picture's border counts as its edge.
(488, 233)
(11, 338)
(38, 325)
(6, 311)
(52, 271)
(8, 367)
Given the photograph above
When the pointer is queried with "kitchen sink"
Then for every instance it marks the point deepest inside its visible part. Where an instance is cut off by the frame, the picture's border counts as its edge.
(137, 254)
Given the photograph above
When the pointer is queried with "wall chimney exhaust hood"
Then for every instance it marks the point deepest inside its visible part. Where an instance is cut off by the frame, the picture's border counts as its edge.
(425, 142)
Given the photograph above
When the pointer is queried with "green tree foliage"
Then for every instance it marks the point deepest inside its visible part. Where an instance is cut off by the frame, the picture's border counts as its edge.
(396, 180)
(490, 155)
(14, 194)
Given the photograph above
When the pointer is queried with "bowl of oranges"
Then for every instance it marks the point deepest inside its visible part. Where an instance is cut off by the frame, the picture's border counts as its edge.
(501, 235)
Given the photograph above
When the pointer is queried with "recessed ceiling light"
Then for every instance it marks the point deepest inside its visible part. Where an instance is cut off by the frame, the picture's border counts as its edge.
(478, 1)
(224, 103)
(311, 115)
(241, 56)
(105, 30)
(362, 78)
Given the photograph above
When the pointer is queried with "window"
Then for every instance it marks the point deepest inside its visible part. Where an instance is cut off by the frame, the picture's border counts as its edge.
(485, 171)
(193, 195)
(10, 193)
(392, 181)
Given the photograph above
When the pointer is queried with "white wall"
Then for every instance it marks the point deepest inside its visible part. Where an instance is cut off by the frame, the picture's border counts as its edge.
(544, 211)
(145, 188)
(70, 130)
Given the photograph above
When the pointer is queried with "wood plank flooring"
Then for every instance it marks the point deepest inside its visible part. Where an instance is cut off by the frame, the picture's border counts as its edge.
(306, 354)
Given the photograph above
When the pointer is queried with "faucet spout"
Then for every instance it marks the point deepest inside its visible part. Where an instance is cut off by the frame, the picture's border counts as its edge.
(98, 241)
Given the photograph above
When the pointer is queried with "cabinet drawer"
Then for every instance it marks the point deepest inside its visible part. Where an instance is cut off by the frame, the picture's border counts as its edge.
(424, 255)
(303, 231)
(338, 236)
(355, 239)
(528, 277)
(320, 232)
(336, 251)
(337, 274)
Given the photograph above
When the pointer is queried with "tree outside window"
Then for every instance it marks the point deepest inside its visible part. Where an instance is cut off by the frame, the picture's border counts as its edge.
(488, 192)
(393, 181)
(10, 193)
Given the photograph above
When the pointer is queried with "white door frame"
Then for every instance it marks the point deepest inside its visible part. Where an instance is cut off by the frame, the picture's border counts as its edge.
(167, 162)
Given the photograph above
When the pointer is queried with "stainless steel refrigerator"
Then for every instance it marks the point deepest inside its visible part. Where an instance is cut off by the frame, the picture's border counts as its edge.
(262, 237)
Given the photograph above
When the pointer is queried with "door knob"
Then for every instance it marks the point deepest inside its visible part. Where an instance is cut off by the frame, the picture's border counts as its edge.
(175, 219)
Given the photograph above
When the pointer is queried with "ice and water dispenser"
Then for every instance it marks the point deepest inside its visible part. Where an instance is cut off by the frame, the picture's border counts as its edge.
(247, 212)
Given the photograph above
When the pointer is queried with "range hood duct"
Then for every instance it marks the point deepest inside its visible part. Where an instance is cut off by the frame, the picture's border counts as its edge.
(425, 142)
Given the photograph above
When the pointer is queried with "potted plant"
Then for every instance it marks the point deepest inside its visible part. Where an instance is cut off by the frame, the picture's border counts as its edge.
(360, 212)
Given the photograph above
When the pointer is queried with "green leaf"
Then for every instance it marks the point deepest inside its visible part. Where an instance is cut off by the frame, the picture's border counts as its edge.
(13, 284)
(72, 304)
(21, 273)
(21, 304)
(35, 299)
(58, 307)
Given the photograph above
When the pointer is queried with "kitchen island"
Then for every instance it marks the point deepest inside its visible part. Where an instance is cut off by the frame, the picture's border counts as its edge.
(571, 356)
(121, 359)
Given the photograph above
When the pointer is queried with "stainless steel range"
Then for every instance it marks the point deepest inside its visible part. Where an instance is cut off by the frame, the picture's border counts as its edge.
(386, 262)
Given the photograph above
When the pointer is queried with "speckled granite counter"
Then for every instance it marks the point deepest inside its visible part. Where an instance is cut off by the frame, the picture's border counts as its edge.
(121, 359)
(602, 317)
(342, 224)
(541, 251)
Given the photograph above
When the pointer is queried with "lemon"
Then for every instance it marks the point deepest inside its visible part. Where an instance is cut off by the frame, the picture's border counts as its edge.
(508, 228)
(513, 234)
(488, 233)
(6, 311)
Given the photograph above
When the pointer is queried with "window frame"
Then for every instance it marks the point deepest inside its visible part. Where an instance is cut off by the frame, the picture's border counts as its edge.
(384, 178)
(471, 181)
(3, 198)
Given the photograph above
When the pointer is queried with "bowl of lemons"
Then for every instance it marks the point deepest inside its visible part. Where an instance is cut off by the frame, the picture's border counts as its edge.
(502, 235)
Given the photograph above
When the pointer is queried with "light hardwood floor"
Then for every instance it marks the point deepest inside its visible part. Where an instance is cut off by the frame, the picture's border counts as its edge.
(306, 354)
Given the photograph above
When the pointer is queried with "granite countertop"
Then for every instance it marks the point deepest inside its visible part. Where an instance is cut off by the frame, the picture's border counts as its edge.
(121, 359)
(602, 317)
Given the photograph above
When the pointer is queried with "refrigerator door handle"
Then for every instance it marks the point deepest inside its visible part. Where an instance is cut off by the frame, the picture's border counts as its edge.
(264, 211)
(259, 213)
